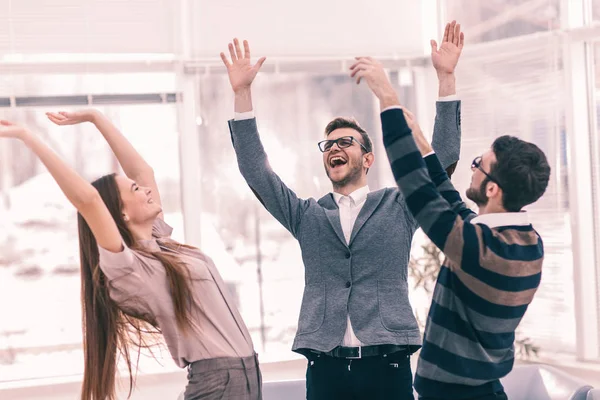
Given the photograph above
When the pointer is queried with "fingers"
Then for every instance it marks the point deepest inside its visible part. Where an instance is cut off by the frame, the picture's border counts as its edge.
(359, 75)
(238, 49)
(232, 53)
(456, 40)
(259, 63)
(4, 122)
(451, 31)
(356, 68)
(362, 61)
(246, 49)
(225, 60)
(461, 42)
(446, 33)
(434, 47)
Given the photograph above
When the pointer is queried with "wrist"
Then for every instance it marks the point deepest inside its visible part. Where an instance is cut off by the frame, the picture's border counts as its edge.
(25, 136)
(447, 84)
(388, 98)
(243, 91)
(93, 116)
(243, 100)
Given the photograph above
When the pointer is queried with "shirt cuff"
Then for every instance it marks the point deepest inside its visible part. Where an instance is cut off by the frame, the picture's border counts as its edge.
(244, 115)
(452, 97)
(429, 154)
(391, 108)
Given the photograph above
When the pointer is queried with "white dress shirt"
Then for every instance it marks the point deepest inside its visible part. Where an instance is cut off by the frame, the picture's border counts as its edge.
(349, 207)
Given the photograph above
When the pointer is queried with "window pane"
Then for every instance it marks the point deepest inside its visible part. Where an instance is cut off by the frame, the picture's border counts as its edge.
(39, 255)
(488, 20)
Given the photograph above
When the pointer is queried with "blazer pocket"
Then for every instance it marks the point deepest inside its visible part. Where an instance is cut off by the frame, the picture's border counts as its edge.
(395, 311)
(312, 312)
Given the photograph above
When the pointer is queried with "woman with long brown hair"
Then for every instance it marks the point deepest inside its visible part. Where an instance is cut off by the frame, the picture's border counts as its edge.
(135, 279)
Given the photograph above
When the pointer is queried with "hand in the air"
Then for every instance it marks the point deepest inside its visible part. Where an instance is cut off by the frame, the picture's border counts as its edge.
(241, 71)
(446, 57)
(71, 117)
(373, 73)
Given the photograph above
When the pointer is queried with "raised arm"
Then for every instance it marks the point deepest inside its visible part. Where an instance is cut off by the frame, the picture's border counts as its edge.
(78, 191)
(252, 160)
(440, 220)
(133, 164)
(446, 130)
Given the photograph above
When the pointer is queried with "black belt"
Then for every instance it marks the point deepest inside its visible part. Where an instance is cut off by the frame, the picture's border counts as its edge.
(365, 351)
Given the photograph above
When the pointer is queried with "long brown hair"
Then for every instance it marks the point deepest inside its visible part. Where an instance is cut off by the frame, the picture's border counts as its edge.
(109, 330)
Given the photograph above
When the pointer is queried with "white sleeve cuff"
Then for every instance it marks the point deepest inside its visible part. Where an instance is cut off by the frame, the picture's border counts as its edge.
(391, 108)
(429, 154)
(452, 97)
(242, 116)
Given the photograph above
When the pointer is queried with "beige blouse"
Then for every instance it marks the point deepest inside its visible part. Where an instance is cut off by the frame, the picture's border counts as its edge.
(139, 283)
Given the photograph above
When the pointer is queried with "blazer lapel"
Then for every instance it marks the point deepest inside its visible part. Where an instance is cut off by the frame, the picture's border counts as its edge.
(373, 200)
(332, 212)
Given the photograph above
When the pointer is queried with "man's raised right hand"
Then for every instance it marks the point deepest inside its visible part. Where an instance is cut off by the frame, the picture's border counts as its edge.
(241, 71)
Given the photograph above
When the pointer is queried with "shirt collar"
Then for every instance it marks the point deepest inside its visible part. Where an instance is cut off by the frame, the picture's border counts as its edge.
(495, 220)
(359, 195)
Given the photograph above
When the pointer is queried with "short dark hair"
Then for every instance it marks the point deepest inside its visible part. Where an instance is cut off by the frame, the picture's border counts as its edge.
(348, 122)
(521, 168)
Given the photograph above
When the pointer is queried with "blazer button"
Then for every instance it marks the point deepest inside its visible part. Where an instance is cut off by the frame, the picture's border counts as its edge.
(348, 255)
(348, 284)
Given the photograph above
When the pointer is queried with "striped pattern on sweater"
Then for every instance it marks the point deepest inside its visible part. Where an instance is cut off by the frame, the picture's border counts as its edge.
(487, 281)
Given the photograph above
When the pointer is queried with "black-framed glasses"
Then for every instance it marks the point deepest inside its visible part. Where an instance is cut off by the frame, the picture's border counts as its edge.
(342, 142)
(477, 164)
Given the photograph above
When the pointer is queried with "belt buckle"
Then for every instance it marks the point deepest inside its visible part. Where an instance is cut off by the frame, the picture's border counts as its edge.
(359, 354)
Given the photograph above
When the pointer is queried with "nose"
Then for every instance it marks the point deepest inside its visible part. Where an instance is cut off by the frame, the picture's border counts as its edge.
(336, 146)
(148, 190)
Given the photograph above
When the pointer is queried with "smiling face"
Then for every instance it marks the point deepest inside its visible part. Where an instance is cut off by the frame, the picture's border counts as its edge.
(138, 205)
(346, 165)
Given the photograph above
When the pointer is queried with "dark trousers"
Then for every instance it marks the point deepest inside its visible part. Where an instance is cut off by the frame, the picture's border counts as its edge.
(369, 378)
(494, 396)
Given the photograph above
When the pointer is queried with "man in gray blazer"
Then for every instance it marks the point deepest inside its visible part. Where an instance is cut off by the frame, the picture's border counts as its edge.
(356, 324)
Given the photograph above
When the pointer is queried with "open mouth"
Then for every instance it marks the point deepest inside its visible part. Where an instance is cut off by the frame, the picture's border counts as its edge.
(337, 161)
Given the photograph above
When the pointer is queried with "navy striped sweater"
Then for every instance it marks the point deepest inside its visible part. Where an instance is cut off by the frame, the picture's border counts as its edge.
(487, 281)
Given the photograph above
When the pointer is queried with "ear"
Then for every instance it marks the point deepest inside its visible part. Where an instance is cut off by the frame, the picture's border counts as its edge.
(493, 190)
(368, 160)
(125, 217)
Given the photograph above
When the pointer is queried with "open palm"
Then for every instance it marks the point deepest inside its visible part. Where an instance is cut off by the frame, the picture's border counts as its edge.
(70, 118)
(11, 130)
(240, 70)
(446, 57)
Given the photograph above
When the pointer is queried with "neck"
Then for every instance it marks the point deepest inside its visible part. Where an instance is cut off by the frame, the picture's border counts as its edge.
(491, 209)
(141, 231)
(345, 190)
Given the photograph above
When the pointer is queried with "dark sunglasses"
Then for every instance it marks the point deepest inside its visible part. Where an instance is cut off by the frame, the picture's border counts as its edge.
(477, 164)
(343, 142)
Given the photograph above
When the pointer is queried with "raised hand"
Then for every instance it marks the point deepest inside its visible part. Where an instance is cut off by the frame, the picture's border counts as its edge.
(11, 130)
(446, 57)
(73, 117)
(373, 73)
(241, 71)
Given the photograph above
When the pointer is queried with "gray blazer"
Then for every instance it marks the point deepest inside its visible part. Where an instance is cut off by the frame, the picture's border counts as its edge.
(366, 278)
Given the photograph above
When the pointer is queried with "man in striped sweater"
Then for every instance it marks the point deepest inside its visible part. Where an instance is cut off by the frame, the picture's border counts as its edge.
(493, 261)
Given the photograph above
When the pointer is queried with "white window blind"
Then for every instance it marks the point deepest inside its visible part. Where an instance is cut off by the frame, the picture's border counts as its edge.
(87, 26)
(489, 20)
(329, 28)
